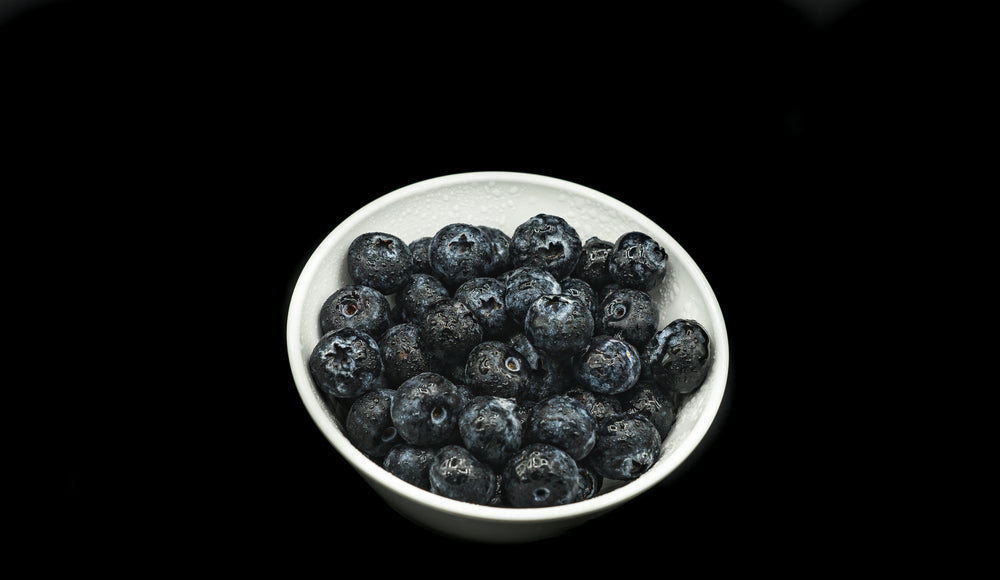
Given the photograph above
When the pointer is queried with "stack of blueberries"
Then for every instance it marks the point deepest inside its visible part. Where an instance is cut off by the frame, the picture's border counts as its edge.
(512, 371)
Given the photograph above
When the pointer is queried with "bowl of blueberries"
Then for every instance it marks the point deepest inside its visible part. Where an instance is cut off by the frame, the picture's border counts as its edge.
(504, 356)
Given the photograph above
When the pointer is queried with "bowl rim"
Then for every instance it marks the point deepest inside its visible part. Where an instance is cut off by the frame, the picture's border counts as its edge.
(593, 506)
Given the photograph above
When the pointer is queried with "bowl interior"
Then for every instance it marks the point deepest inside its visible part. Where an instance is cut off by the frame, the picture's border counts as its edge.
(504, 200)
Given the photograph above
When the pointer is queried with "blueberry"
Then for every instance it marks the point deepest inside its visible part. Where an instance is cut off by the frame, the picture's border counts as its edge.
(599, 406)
(652, 401)
(420, 250)
(627, 446)
(449, 331)
(590, 483)
(524, 286)
(379, 260)
(345, 363)
(564, 422)
(500, 257)
(402, 355)
(559, 324)
(368, 424)
(459, 252)
(593, 265)
(494, 368)
(540, 475)
(678, 356)
(485, 298)
(523, 346)
(457, 474)
(549, 242)
(551, 376)
(425, 409)
(411, 464)
(608, 366)
(359, 307)
(417, 296)
(581, 290)
(629, 314)
(491, 429)
(637, 261)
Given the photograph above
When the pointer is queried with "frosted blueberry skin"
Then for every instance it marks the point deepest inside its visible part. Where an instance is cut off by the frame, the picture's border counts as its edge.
(402, 356)
(559, 324)
(551, 376)
(629, 314)
(637, 261)
(368, 424)
(411, 464)
(379, 260)
(652, 401)
(627, 446)
(540, 475)
(416, 298)
(500, 256)
(590, 483)
(678, 356)
(524, 286)
(581, 290)
(593, 265)
(449, 331)
(457, 474)
(564, 422)
(359, 307)
(494, 368)
(458, 253)
(491, 429)
(485, 298)
(420, 250)
(425, 409)
(548, 242)
(600, 407)
(345, 363)
(608, 366)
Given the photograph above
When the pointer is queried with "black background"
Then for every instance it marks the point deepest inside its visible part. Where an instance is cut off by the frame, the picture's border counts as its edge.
(189, 157)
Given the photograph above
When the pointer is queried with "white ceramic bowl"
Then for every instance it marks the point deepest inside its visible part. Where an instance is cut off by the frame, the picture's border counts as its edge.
(504, 200)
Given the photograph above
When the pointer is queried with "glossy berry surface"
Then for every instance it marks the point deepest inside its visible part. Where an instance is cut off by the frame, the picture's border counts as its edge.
(599, 406)
(627, 446)
(582, 291)
(359, 307)
(678, 356)
(449, 331)
(491, 429)
(500, 256)
(425, 409)
(495, 369)
(654, 402)
(629, 314)
(608, 366)
(402, 355)
(345, 363)
(637, 261)
(564, 422)
(458, 253)
(410, 463)
(379, 260)
(540, 475)
(420, 250)
(524, 286)
(593, 265)
(417, 296)
(368, 424)
(485, 298)
(558, 324)
(548, 242)
(457, 474)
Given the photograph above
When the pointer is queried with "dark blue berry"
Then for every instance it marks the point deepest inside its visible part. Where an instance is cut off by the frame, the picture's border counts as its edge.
(608, 366)
(590, 483)
(559, 324)
(359, 307)
(417, 296)
(627, 446)
(420, 250)
(551, 376)
(457, 474)
(491, 429)
(368, 424)
(485, 298)
(379, 260)
(500, 257)
(564, 422)
(637, 261)
(678, 356)
(593, 265)
(425, 409)
(411, 464)
(652, 401)
(495, 369)
(582, 291)
(549, 242)
(402, 355)
(540, 475)
(449, 331)
(629, 314)
(460, 252)
(524, 286)
(345, 363)
(599, 406)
